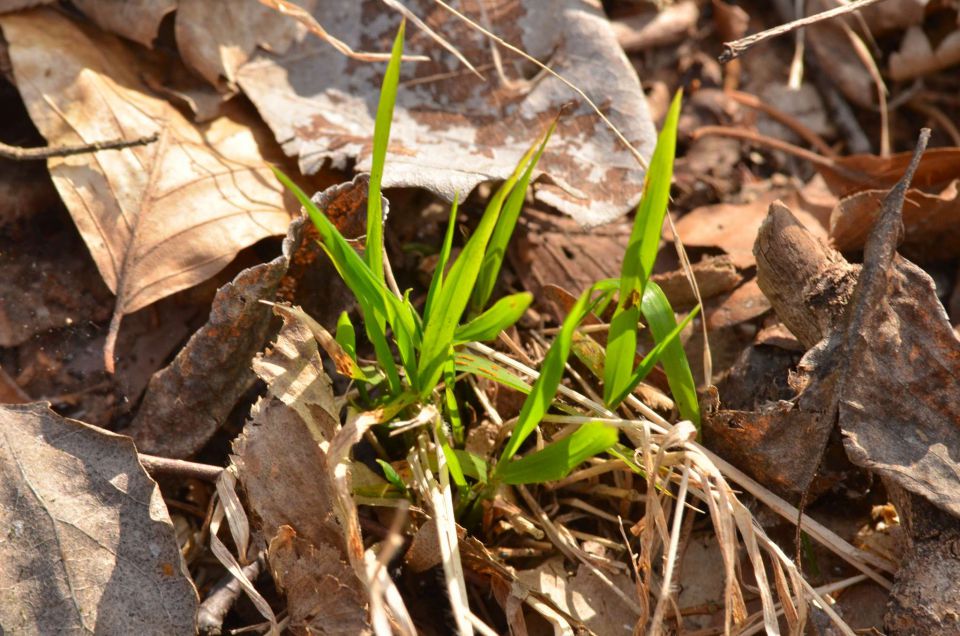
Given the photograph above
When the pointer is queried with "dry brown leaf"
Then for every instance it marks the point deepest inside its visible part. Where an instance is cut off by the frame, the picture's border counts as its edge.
(742, 304)
(917, 57)
(187, 401)
(159, 218)
(931, 222)
(451, 130)
(733, 227)
(283, 460)
(583, 596)
(893, 15)
(137, 20)
(653, 28)
(855, 173)
(88, 545)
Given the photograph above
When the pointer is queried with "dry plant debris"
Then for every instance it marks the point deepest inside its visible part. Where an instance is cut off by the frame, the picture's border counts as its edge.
(88, 543)
(669, 538)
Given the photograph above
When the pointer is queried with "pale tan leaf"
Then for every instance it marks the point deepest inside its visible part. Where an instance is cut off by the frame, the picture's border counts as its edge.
(87, 543)
(137, 20)
(159, 218)
(451, 130)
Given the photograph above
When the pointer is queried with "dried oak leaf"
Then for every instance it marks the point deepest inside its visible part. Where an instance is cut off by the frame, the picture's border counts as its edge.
(156, 218)
(187, 401)
(88, 545)
(451, 129)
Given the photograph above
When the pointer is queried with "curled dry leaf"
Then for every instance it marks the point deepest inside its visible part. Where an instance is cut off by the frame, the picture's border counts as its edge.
(189, 400)
(583, 596)
(917, 57)
(88, 545)
(214, 37)
(451, 130)
(283, 459)
(159, 218)
(652, 28)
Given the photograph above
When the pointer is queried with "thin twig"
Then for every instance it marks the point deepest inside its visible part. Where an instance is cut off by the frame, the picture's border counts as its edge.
(179, 467)
(49, 152)
(791, 122)
(733, 50)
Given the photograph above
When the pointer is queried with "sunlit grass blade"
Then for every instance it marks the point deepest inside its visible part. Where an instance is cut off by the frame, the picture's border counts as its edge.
(450, 400)
(451, 302)
(472, 465)
(504, 313)
(381, 139)
(662, 322)
(497, 247)
(484, 368)
(436, 283)
(392, 476)
(346, 335)
(621, 351)
(551, 372)
(650, 360)
(647, 226)
(453, 462)
(374, 298)
(556, 460)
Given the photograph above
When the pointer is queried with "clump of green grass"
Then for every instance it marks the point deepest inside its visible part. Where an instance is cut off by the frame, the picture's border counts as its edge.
(430, 342)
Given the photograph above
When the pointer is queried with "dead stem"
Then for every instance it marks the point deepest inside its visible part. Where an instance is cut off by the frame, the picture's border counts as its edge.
(49, 152)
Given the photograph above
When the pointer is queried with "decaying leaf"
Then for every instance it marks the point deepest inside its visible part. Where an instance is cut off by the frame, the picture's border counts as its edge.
(917, 57)
(157, 218)
(733, 226)
(284, 465)
(584, 596)
(88, 545)
(451, 130)
(886, 372)
(188, 401)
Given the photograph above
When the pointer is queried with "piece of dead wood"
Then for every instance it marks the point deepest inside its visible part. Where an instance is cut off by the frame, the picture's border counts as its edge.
(885, 368)
(35, 154)
(733, 50)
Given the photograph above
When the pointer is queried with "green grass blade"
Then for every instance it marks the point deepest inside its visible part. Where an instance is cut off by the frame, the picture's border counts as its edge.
(346, 335)
(556, 460)
(497, 247)
(504, 313)
(482, 367)
(662, 322)
(436, 283)
(472, 465)
(647, 226)
(621, 351)
(381, 139)
(455, 293)
(551, 372)
(392, 476)
(650, 360)
(376, 303)
(450, 400)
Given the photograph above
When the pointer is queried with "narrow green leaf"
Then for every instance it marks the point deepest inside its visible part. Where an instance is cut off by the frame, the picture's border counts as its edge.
(662, 321)
(346, 335)
(450, 399)
(473, 465)
(556, 460)
(453, 462)
(480, 366)
(392, 475)
(497, 247)
(645, 236)
(381, 139)
(621, 351)
(436, 283)
(504, 313)
(650, 360)
(377, 304)
(551, 372)
(455, 293)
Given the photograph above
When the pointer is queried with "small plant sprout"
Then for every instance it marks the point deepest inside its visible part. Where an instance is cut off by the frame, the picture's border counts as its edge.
(423, 357)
